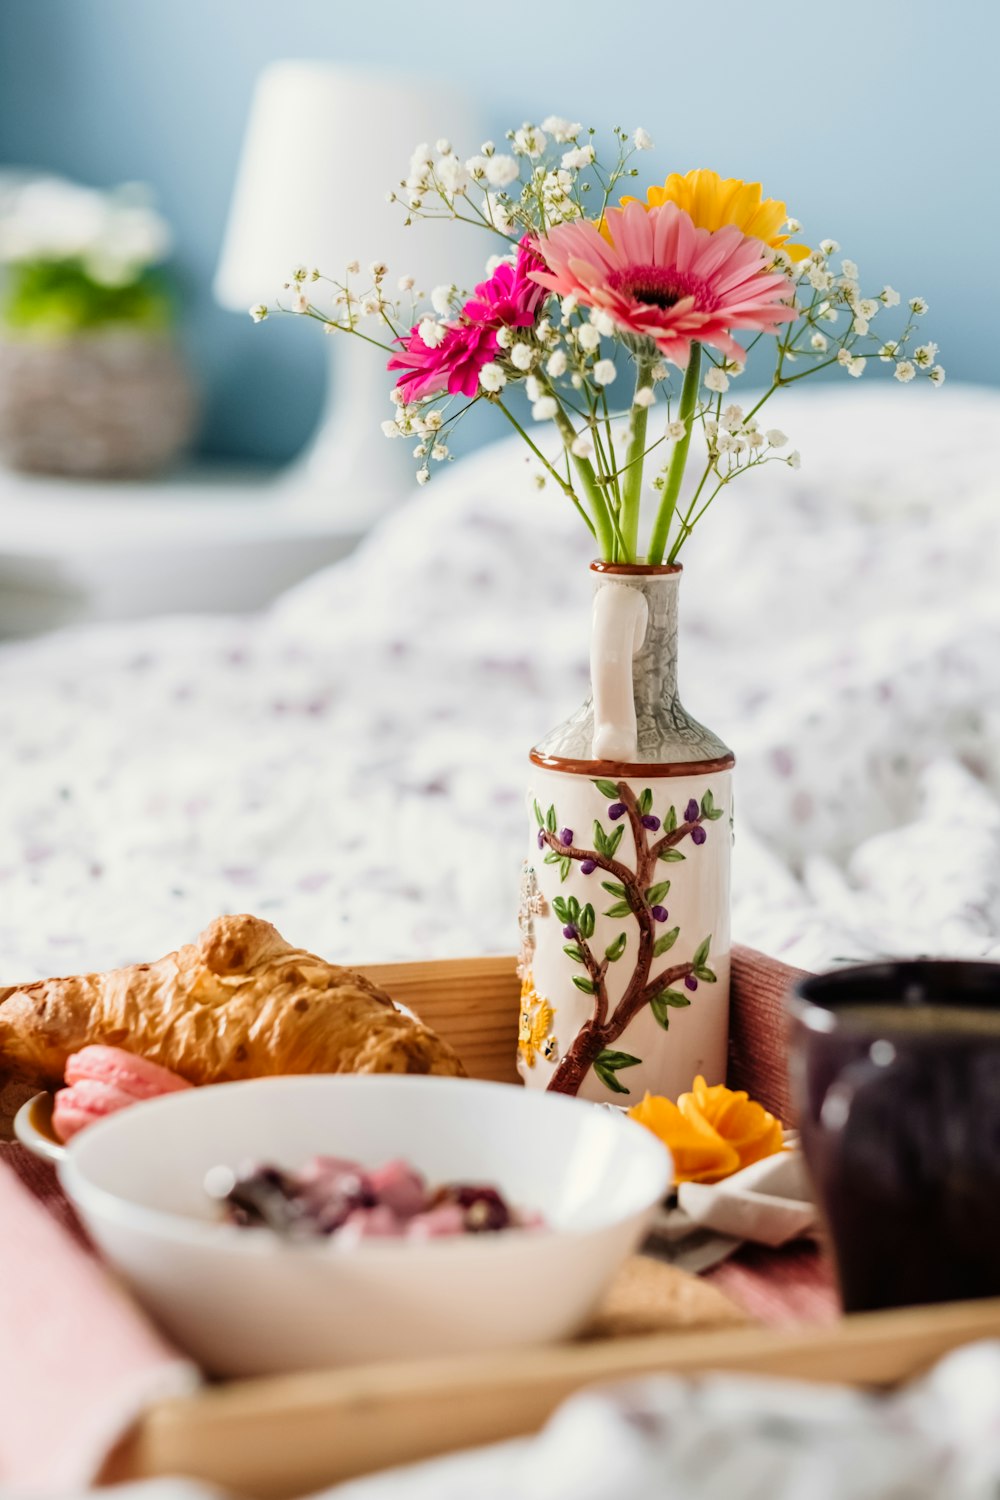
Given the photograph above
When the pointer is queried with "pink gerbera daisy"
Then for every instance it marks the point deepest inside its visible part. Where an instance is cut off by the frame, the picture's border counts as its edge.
(509, 299)
(662, 279)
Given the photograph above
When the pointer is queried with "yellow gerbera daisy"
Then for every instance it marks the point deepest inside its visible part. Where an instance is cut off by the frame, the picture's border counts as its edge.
(713, 201)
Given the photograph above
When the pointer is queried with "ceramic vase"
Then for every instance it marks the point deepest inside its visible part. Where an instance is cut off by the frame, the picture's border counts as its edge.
(625, 898)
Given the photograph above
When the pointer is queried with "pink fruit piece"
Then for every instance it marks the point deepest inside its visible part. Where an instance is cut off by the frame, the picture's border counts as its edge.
(378, 1223)
(445, 1220)
(85, 1102)
(135, 1076)
(401, 1188)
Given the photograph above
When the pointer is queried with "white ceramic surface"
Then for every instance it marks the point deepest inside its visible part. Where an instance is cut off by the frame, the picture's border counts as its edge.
(33, 1128)
(245, 1303)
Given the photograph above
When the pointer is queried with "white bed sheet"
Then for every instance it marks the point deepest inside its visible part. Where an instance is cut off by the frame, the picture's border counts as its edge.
(351, 763)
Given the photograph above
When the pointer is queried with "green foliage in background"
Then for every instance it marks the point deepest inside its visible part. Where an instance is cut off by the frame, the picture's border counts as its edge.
(59, 297)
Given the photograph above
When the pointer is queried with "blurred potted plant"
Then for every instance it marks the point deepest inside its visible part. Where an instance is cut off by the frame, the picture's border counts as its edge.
(91, 383)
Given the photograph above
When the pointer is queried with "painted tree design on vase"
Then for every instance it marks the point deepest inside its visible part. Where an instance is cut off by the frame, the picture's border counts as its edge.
(636, 894)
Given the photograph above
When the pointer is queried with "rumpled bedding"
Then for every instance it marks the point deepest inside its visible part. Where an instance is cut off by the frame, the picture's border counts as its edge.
(351, 762)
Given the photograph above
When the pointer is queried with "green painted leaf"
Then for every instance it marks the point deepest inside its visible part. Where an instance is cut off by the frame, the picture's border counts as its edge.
(573, 907)
(613, 887)
(576, 954)
(671, 856)
(600, 839)
(661, 1015)
(620, 909)
(550, 820)
(670, 821)
(675, 998)
(587, 921)
(646, 801)
(587, 985)
(539, 816)
(707, 804)
(656, 893)
(608, 1063)
(666, 942)
(560, 908)
(615, 840)
(701, 952)
(708, 975)
(607, 789)
(715, 814)
(552, 858)
(614, 951)
(564, 866)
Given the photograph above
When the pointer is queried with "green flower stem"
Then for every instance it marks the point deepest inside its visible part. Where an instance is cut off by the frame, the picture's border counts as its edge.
(675, 473)
(567, 489)
(605, 532)
(632, 491)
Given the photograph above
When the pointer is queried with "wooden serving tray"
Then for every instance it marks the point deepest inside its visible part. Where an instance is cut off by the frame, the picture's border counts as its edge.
(284, 1436)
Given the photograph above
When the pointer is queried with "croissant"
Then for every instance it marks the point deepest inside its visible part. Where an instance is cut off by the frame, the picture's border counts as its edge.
(238, 1003)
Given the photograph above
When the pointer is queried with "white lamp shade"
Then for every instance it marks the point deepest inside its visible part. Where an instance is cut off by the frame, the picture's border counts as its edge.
(324, 145)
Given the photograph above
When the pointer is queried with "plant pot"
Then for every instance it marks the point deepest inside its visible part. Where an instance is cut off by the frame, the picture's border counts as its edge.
(115, 404)
(625, 899)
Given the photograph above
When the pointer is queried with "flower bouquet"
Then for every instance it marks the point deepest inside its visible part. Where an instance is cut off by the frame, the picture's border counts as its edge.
(594, 289)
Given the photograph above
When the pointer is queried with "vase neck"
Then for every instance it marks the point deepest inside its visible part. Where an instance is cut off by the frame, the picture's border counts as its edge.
(654, 669)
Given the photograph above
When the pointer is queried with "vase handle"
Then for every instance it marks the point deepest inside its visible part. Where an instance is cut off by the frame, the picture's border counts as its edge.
(620, 618)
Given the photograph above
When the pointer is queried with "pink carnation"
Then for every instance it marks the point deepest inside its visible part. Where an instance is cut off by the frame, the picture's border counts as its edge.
(510, 299)
(660, 278)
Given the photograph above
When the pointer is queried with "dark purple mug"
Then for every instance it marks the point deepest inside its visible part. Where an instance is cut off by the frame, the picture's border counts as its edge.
(895, 1071)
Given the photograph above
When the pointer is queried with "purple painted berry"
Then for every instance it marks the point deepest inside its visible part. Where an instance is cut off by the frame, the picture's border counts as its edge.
(566, 837)
(660, 913)
(587, 867)
(541, 838)
(690, 982)
(616, 811)
(692, 812)
(698, 835)
(569, 931)
(650, 821)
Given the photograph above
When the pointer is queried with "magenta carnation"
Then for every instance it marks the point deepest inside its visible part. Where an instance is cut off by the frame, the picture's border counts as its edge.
(510, 299)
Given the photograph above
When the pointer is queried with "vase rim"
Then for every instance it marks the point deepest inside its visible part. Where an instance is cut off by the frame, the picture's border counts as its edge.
(636, 570)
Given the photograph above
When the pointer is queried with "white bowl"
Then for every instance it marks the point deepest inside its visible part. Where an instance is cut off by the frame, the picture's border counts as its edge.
(245, 1302)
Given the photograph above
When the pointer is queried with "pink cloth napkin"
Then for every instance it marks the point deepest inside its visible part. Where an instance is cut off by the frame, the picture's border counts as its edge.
(80, 1361)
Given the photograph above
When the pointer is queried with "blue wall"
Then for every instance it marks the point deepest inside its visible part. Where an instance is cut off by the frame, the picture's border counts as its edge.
(875, 119)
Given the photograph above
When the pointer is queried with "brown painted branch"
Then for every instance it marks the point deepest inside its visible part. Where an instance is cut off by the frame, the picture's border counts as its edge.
(597, 972)
(574, 852)
(671, 840)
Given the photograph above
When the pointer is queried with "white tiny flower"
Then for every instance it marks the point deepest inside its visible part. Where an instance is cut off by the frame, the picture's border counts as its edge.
(860, 326)
(452, 175)
(522, 356)
(502, 170)
(868, 307)
(556, 363)
(432, 421)
(856, 365)
(582, 445)
(499, 214)
(441, 300)
(396, 396)
(578, 157)
(732, 418)
(937, 375)
(645, 396)
(711, 430)
(717, 380)
(534, 389)
(849, 270)
(918, 306)
(925, 355)
(568, 305)
(443, 148)
(793, 226)
(529, 141)
(492, 378)
(258, 312)
(725, 442)
(576, 380)
(439, 452)
(505, 337)
(378, 269)
(588, 337)
(300, 302)
(888, 351)
(829, 247)
(794, 460)
(775, 437)
(353, 267)
(561, 130)
(423, 475)
(676, 431)
(818, 342)
(420, 451)
(544, 409)
(604, 371)
(820, 280)
(298, 273)
(432, 333)
(370, 306)
(476, 167)
(660, 371)
(889, 296)
(391, 429)
(602, 321)
(642, 140)
(830, 314)
(405, 283)
(905, 371)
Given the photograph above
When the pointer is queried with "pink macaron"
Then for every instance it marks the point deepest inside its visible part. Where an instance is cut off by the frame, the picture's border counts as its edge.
(102, 1080)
